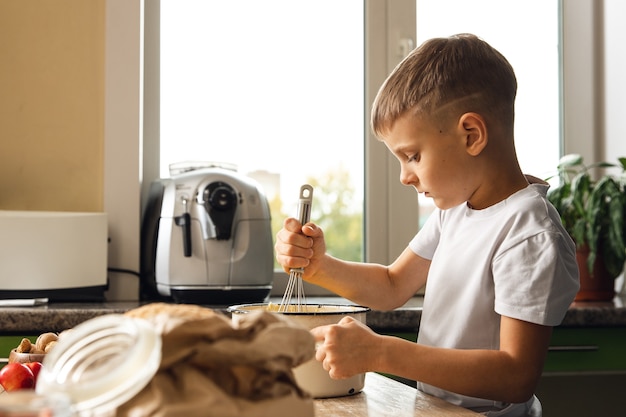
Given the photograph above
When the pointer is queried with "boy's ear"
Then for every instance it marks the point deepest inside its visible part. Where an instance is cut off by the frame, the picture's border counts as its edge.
(474, 129)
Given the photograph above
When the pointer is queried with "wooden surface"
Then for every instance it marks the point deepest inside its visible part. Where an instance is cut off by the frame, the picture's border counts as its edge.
(384, 397)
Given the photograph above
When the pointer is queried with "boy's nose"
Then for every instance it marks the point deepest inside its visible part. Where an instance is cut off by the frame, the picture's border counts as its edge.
(407, 177)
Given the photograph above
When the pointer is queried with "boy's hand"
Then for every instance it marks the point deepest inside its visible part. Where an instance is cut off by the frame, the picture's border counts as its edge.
(300, 246)
(347, 348)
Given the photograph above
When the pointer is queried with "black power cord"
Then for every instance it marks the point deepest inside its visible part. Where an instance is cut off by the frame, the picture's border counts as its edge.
(124, 271)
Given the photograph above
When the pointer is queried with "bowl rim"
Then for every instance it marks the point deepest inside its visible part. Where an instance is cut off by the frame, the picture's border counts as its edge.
(15, 356)
(345, 309)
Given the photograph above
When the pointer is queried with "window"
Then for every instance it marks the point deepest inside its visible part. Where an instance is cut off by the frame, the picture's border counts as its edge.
(298, 103)
(276, 88)
(132, 101)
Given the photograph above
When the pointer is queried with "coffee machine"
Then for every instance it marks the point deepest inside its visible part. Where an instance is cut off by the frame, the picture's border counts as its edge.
(206, 239)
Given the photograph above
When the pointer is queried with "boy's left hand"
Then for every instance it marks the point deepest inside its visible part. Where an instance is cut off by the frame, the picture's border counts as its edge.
(347, 348)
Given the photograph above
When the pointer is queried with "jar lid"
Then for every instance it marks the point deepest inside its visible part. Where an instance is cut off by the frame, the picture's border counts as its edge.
(102, 363)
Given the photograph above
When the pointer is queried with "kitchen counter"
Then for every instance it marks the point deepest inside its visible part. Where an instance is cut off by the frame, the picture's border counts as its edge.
(590, 339)
(60, 316)
(384, 397)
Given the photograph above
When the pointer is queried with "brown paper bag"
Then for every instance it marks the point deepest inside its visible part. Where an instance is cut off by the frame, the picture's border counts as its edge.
(209, 368)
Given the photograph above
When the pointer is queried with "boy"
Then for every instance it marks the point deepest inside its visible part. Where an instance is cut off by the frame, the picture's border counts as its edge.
(499, 268)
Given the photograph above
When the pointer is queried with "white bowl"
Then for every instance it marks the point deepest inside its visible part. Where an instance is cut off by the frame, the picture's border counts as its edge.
(311, 376)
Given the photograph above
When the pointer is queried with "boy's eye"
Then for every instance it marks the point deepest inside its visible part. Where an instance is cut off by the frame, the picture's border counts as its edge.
(415, 157)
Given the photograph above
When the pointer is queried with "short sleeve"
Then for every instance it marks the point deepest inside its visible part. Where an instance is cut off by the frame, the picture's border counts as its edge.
(536, 279)
(426, 240)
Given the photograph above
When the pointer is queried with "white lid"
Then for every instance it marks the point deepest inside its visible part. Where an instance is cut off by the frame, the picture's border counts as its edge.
(102, 363)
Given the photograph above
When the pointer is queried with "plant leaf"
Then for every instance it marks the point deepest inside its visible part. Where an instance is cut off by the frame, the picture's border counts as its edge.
(604, 234)
(593, 213)
(569, 160)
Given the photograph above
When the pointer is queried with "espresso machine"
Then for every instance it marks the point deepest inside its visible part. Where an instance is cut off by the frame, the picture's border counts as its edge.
(206, 239)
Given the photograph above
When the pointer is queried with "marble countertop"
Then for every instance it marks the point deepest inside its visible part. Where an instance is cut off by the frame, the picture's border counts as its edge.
(57, 317)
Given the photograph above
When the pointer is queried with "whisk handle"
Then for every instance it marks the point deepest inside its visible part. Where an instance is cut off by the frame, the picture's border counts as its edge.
(304, 203)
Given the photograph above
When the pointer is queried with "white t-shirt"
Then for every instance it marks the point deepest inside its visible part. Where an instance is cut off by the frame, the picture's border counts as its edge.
(513, 259)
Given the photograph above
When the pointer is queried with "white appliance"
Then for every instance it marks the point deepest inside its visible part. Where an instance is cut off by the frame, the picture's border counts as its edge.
(61, 256)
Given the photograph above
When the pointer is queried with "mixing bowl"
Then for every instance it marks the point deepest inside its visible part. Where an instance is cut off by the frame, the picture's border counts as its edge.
(311, 376)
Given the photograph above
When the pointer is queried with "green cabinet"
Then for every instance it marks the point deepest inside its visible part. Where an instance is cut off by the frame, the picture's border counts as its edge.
(582, 349)
(585, 372)
(11, 342)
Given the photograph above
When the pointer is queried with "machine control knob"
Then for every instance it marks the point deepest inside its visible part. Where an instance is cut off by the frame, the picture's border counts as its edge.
(220, 202)
(221, 196)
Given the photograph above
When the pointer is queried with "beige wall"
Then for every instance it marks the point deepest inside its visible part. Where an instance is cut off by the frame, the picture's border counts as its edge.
(52, 105)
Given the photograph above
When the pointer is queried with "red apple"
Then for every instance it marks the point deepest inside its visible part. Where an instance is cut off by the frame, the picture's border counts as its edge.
(16, 376)
(35, 367)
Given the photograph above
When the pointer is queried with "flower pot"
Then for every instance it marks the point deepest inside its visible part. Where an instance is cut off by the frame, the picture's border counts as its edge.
(595, 286)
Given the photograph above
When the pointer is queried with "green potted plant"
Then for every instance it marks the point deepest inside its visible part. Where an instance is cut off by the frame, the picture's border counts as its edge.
(593, 211)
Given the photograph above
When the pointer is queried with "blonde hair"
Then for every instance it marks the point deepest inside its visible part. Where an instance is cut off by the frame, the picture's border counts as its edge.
(462, 73)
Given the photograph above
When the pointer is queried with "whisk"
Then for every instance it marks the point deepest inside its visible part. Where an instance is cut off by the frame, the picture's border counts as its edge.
(295, 286)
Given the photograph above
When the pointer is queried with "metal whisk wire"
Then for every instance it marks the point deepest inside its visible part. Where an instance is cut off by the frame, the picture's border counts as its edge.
(295, 283)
